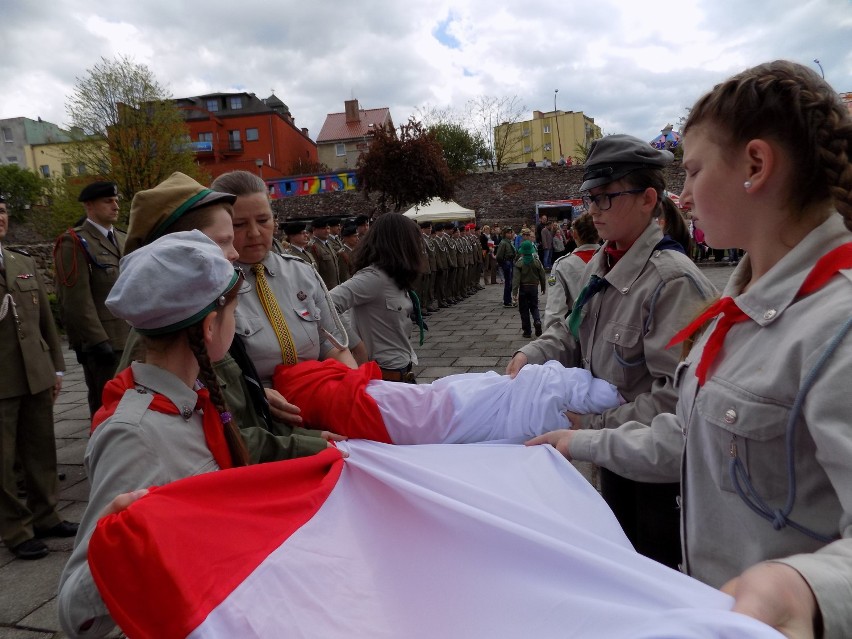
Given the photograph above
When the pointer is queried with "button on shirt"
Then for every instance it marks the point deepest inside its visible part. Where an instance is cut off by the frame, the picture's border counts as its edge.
(305, 307)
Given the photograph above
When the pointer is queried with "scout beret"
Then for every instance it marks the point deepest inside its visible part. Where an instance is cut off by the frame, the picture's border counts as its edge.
(153, 211)
(613, 157)
(97, 190)
(171, 283)
(293, 227)
(349, 230)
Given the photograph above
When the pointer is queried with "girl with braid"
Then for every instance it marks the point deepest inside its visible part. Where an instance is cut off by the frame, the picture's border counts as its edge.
(761, 438)
(165, 418)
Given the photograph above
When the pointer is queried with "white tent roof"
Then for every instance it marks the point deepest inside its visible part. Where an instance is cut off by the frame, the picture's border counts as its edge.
(439, 211)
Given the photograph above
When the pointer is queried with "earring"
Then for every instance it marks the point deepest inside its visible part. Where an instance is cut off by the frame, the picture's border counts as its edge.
(747, 184)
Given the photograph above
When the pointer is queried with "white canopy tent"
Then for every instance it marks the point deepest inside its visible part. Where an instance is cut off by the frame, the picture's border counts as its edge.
(439, 211)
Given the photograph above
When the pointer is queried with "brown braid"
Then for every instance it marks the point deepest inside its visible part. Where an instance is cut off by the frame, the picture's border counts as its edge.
(791, 104)
(236, 445)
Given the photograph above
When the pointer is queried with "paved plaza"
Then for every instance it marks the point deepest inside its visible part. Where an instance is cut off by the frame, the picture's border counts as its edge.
(476, 335)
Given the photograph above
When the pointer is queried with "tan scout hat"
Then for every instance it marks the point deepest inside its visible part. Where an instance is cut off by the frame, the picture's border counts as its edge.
(152, 212)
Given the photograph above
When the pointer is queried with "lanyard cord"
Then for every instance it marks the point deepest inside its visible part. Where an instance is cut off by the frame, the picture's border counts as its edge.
(746, 491)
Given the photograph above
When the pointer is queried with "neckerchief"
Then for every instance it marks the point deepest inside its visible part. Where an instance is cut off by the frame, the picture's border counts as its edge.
(826, 267)
(214, 434)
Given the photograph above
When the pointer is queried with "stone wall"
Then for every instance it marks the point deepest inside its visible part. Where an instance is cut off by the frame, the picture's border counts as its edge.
(505, 197)
(43, 255)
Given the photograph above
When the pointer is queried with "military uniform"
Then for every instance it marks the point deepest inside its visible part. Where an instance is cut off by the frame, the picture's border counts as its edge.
(442, 261)
(345, 265)
(300, 254)
(430, 302)
(31, 354)
(326, 261)
(86, 269)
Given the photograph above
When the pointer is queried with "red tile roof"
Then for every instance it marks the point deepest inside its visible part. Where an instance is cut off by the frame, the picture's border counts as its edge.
(337, 128)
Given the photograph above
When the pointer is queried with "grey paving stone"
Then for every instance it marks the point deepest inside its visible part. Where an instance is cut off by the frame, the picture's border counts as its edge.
(476, 361)
(27, 585)
(434, 372)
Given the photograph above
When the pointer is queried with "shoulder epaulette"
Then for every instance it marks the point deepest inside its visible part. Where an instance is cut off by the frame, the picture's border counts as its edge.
(18, 249)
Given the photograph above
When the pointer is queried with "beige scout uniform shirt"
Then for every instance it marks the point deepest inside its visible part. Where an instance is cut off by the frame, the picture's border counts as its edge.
(135, 448)
(306, 309)
(381, 315)
(625, 329)
(564, 285)
(743, 409)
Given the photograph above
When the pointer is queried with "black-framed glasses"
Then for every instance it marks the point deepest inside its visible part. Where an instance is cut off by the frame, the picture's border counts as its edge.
(604, 200)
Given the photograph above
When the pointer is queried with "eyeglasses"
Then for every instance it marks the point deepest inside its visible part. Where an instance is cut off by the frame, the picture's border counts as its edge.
(604, 200)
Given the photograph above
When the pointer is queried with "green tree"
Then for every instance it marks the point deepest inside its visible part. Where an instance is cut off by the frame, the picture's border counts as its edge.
(405, 169)
(125, 127)
(22, 189)
(464, 151)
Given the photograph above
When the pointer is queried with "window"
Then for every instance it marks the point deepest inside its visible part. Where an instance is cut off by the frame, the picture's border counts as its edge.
(234, 140)
(251, 135)
(527, 149)
(81, 169)
(45, 170)
(526, 132)
(12, 159)
(7, 135)
(340, 149)
(547, 146)
(547, 128)
(205, 136)
(235, 102)
(213, 105)
(66, 169)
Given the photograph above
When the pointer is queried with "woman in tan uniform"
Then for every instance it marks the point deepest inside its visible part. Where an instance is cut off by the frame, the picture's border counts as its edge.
(638, 294)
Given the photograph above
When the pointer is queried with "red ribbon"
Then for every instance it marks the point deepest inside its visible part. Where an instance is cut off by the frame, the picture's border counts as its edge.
(825, 268)
(214, 434)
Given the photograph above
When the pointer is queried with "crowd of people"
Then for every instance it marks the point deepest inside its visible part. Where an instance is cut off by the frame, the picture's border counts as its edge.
(728, 460)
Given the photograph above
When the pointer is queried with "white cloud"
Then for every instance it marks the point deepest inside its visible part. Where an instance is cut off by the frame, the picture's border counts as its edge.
(633, 66)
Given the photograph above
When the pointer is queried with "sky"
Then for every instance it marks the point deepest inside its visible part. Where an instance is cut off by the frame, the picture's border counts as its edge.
(632, 65)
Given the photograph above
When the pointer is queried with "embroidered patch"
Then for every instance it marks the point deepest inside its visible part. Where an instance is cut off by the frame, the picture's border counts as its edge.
(551, 280)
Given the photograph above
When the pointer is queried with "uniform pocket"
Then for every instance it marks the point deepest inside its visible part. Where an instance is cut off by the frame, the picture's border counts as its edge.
(248, 326)
(625, 342)
(751, 429)
(26, 285)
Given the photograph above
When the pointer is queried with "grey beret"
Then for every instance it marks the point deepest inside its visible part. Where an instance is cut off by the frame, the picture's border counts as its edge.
(613, 157)
(171, 283)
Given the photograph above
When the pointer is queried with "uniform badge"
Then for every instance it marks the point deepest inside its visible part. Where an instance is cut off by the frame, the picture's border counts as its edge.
(301, 296)
(551, 280)
(25, 276)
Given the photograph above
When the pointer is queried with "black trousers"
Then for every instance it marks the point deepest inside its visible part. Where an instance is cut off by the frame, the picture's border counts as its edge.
(648, 514)
(98, 369)
(528, 305)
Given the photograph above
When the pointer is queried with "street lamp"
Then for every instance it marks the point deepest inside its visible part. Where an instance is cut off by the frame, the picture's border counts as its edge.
(259, 164)
(822, 73)
(556, 117)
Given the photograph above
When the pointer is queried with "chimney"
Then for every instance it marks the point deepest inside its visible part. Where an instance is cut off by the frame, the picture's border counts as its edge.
(304, 132)
(351, 108)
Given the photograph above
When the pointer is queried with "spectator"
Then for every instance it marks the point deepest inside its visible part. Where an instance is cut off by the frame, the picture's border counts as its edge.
(528, 277)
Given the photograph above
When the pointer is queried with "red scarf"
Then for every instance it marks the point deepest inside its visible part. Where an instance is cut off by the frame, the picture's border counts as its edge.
(586, 255)
(826, 267)
(214, 433)
(614, 254)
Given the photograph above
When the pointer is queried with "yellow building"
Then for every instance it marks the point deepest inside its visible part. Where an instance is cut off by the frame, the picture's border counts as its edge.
(547, 137)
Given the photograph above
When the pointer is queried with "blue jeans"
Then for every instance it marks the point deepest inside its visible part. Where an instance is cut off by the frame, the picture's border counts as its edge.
(546, 257)
(507, 268)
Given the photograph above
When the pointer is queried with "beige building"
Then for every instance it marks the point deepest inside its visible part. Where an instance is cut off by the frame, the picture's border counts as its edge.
(345, 136)
(548, 136)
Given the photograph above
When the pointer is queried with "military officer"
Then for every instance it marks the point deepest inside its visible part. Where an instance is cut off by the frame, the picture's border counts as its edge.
(30, 379)
(334, 237)
(324, 253)
(345, 264)
(442, 262)
(297, 242)
(86, 259)
(429, 301)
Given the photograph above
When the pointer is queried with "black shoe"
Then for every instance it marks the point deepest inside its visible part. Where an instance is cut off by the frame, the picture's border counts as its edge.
(527, 335)
(507, 306)
(30, 549)
(62, 529)
(443, 305)
(537, 329)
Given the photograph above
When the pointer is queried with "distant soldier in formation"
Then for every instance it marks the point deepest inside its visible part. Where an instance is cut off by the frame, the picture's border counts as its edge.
(86, 259)
(442, 261)
(345, 264)
(324, 254)
(362, 224)
(297, 242)
(430, 302)
(334, 237)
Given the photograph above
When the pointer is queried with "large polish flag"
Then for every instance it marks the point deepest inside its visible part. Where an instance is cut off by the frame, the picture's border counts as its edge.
(467, 541)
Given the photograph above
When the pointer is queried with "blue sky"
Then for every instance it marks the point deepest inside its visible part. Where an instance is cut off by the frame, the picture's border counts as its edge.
(632, 66)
